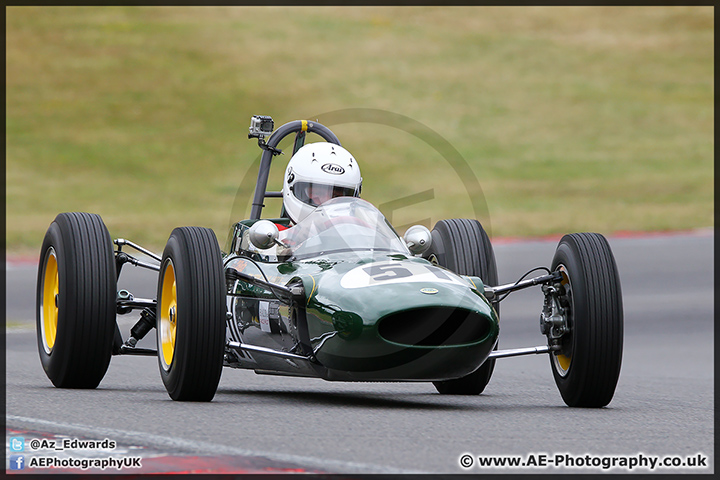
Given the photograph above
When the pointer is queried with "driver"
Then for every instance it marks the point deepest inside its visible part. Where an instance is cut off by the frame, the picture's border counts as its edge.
(315, 174)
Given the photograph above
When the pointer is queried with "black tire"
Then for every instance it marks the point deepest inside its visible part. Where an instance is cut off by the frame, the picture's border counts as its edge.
(191, 339)
(76, 300)
(587, 368)
(461, 245)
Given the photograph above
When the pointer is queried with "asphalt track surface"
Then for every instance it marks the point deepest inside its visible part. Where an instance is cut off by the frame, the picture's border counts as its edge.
(663, 405)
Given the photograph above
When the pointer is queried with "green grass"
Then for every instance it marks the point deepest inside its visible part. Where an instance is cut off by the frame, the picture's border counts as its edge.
(571, 118)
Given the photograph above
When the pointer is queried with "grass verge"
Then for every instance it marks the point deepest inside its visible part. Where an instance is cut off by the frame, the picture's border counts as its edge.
(571, 118)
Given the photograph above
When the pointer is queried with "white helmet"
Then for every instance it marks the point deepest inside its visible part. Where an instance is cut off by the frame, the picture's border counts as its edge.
(315, 174)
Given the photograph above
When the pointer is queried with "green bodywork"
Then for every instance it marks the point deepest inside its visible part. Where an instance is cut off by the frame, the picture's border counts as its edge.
(347, 299)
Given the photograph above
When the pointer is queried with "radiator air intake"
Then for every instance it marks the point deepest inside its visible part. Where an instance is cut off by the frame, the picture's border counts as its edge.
(434, 326)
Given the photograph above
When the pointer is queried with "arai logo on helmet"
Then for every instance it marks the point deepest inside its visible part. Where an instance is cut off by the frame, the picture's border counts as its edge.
(333, 169)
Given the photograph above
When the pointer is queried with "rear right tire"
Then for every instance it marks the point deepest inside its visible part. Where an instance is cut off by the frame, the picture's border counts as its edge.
(76, 300)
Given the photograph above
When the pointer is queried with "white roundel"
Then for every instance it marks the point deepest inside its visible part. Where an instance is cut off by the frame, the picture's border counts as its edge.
(390, 272)
(315, 174)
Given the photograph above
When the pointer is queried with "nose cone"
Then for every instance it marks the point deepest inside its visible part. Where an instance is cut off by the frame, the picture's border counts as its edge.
(410, 321)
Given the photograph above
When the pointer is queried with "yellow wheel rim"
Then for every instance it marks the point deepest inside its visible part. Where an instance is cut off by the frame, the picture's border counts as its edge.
(168, 316)
(49, 301)
(562, 362)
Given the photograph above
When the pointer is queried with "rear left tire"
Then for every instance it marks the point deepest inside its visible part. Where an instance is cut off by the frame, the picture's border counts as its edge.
(463, 246)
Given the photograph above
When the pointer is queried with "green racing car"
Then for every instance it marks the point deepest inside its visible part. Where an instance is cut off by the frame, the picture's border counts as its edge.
(338, 296)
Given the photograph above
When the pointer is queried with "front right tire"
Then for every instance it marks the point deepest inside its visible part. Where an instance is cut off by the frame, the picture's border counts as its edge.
(191, 314)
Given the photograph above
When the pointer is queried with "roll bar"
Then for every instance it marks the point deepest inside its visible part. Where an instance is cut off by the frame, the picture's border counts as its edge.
(300, 127)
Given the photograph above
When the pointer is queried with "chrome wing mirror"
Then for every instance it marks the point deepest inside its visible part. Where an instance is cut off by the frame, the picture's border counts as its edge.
(263, 234)
(418, 239)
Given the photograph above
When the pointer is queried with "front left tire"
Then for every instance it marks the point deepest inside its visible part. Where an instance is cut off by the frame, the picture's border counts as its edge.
(587, 368)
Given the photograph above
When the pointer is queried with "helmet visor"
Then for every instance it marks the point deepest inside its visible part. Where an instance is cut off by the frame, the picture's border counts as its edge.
(315, 194)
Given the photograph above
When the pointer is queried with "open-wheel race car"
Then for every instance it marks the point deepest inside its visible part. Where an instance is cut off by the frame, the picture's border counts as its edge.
(338, 296)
